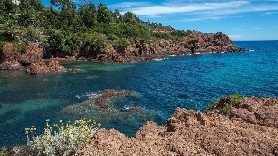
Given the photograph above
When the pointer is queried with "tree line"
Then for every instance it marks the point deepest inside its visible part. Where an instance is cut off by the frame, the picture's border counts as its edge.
(68, 28)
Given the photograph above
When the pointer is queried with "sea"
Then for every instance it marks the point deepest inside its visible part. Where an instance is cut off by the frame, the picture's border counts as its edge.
(191, 82)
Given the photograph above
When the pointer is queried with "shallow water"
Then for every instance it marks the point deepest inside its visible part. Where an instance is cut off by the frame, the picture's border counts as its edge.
(186, 81)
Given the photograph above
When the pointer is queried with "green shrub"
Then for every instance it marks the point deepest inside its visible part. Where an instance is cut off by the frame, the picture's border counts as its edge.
(225, 104)
(61, 139)
(122, 42)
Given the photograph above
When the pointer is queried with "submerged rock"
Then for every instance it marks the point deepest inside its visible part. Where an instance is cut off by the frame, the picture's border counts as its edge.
(101, 101)
(189, 132)
(73, 71)
(112, 108)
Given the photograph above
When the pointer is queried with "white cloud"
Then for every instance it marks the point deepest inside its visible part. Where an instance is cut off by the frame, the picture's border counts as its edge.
(200, 10)
(174, 9)
(235, 37)
(269, 13)
(129, 4)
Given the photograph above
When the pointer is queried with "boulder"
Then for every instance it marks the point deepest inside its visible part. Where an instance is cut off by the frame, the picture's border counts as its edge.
(42, 68)
(33, 54)
(9, 58)
(9, 53)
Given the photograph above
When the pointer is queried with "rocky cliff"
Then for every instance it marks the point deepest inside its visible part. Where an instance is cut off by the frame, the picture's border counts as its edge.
(195, 42)
(232, 126)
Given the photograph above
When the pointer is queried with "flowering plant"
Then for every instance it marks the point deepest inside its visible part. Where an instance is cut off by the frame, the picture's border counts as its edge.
(61, 139)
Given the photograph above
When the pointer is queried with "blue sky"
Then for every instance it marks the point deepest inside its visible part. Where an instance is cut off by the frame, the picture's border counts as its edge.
(239, 19)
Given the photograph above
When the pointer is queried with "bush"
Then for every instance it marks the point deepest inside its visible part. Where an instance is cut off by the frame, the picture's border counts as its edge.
(122, 42)
(225, 104)
(61, 139)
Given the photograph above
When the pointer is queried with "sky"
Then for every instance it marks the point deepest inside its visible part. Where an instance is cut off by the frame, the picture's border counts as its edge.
(239, 19)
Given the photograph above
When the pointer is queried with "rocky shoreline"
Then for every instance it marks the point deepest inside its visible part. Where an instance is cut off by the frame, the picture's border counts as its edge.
(232, 126)
(194, 43)
(138, 50)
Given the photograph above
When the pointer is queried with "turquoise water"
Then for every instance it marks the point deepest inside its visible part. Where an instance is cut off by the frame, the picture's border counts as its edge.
(185, 81)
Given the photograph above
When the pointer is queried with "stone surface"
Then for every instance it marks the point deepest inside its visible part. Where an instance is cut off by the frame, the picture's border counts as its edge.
(42, 68)
(9, 58)
(33, 54)
(9, 53)
(189, 132)
(12, 60)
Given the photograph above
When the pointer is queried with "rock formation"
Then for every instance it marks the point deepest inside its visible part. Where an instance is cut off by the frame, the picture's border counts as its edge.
(9, 58)
(42, 68)
(195, 42)
(249, 127)
(33, 54)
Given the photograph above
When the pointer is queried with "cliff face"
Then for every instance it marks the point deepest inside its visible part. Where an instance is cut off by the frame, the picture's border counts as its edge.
(195, 42)
(250, 127)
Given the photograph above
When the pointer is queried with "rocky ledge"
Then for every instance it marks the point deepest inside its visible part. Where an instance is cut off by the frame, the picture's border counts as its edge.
(232, 126)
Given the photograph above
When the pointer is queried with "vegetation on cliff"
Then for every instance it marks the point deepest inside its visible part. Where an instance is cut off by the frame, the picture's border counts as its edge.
(67, 28)
(225, 104)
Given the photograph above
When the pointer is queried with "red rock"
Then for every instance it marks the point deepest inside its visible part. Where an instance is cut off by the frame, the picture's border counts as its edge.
(9, 53)
(194, 133)
(42, 68)
(33, 54)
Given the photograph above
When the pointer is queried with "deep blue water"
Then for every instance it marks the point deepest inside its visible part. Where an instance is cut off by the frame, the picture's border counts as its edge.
(185, 81)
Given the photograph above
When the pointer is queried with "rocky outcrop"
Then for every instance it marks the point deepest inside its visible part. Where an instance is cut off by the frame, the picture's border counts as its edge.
(248, 128)
(33, 54)
(218, 42)
(42, 68)
(9, 58)
(195, 42)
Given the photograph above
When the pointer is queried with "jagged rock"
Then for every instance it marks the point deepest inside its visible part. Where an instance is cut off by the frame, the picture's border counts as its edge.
(12, 60)
(9, 58)
(55, 67)
(33, 54)
(42, 68)
(9, 53)
(194, 133)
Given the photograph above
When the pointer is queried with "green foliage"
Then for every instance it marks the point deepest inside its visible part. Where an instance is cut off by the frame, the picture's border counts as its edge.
(104, 15)
(129, 17)
(69, 28)
(88, 14)
(225, 104)
(3, 153)
(121, 42)
(60, 139)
